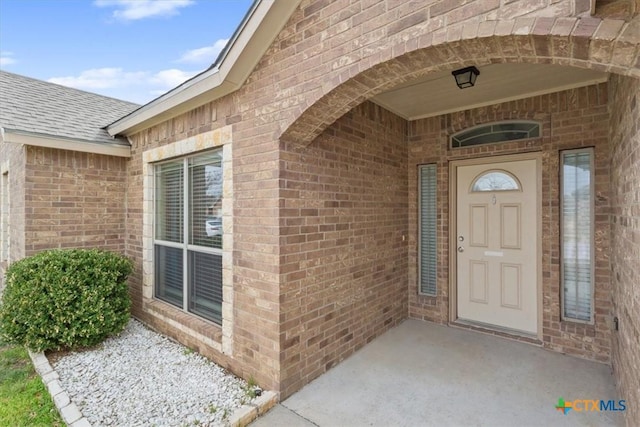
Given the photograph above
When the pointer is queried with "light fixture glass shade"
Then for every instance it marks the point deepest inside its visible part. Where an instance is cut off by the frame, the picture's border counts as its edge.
(466, 77)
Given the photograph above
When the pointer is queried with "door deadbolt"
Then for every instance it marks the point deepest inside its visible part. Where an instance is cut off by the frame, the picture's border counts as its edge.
(461, 238)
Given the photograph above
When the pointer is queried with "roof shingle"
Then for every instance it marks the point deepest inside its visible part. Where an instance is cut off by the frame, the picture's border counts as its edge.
(36, 106)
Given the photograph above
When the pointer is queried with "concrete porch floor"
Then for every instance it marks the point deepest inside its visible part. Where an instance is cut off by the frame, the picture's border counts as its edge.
(422, 374)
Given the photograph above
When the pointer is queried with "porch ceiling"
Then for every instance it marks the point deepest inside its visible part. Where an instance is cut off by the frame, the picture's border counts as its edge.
(438, 94)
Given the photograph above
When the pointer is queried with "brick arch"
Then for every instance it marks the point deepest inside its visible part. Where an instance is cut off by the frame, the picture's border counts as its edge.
(592, 43)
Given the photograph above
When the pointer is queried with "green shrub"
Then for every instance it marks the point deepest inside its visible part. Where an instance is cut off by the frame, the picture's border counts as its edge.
(65, 299)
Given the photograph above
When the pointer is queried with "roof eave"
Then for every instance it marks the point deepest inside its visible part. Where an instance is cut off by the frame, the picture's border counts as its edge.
(262, 24)
(63, 143)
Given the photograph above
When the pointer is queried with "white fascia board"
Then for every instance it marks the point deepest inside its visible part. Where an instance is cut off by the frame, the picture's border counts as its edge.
(266, 21)
(252, 40)
(167, 105)
(39, 140)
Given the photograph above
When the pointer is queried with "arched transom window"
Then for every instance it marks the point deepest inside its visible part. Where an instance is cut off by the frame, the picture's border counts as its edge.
(496, 132)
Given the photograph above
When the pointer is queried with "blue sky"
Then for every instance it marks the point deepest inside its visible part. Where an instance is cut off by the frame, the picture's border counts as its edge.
(128, 49)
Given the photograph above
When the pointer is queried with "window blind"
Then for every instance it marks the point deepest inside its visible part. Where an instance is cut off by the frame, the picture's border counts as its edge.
(169, 283)
(170, 202)
(188, 243)
(205, 284)
(577, 234)
(205, 200)
(428, 229)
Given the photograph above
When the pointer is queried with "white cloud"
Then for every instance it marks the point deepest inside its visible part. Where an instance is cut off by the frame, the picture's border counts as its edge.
(171, 78)
(206, 54)
(6, 58)
(131, 10)
(101, 78)
(135, 86)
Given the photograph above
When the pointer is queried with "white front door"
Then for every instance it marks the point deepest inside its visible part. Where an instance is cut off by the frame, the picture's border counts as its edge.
(497, 244)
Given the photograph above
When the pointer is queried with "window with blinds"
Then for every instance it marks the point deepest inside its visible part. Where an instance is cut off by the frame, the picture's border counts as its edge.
(427, 254)
(188, 234)
(577, 216)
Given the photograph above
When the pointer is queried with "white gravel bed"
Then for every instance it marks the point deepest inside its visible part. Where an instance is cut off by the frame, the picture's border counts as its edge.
(141, 378)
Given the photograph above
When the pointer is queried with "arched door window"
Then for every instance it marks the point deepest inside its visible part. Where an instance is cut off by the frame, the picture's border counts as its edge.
(495, 180)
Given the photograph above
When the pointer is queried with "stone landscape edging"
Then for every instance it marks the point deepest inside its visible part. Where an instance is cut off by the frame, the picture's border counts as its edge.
(67, 409)
(73, 417)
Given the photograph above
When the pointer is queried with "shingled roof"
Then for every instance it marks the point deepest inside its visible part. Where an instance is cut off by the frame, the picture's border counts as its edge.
(47, 109)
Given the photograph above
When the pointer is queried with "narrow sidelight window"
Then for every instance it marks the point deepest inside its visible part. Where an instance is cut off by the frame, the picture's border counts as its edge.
(577, 217)
(427, 251)
(188, 234)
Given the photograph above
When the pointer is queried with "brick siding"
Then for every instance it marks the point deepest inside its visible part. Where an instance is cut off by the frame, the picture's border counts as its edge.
(330, 57)
(63, 199)
(12, 160)
(624, 131)
(254, 342)
(73, 200)
(571, 119)
(324, 183)
(344, 229)
(617, 9)
(349, 58)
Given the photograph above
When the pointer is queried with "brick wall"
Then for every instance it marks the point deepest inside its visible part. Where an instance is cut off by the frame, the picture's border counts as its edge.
(325, 187)
(255, 330)
(570, 119)
(12, 160)
(329, 58)
(624, 131)
(73, 200)
(351, 52)
(256, 241)
(343, 236)
(617, 9)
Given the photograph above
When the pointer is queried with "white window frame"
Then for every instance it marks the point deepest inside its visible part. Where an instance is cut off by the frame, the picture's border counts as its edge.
(563, 153)
(218, 138)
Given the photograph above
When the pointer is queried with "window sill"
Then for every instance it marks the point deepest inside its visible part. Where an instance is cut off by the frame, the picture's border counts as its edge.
(190, 324)
(571, 325)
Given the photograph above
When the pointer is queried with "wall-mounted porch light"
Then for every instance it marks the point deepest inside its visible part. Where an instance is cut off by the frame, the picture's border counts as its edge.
(466, 77)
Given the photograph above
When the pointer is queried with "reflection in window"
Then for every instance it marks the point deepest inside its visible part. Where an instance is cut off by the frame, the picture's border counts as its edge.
(496, 132)
(577, 234)
(205, 202)
(495, 181)
(188, 234)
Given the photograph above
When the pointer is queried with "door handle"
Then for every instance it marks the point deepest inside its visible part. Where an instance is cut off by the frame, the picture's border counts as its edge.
(460, 249)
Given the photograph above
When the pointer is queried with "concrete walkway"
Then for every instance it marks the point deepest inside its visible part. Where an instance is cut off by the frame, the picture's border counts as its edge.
(422, 374)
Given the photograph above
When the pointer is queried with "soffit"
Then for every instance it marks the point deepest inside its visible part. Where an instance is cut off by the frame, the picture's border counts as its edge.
(438, 94)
